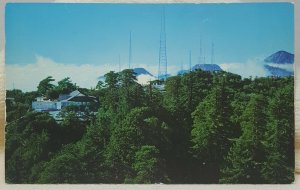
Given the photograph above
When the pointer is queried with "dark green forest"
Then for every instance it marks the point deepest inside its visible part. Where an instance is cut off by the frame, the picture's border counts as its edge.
(202, 127)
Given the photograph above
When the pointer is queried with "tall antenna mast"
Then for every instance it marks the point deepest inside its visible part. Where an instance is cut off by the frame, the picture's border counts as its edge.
(212, 53)
(203, 56)
(200, 52)
(162, 63)
(190, 61)
(119, 63)
(181, 66)
(130, 53)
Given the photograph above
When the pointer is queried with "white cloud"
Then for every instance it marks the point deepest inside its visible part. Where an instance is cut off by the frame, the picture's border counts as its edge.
(27, 77)
(253, 67)
(153, 68)
(287, 67)
(145, 79)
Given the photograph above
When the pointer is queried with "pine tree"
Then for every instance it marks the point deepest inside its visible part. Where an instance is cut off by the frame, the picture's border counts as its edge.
(125, 140)
(212, 129)
(149, 166)
(111, 96)
(45, 85)
(246, 156)
(279, 164)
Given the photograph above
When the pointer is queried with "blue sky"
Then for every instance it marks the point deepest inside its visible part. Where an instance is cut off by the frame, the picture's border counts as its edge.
(95, 34)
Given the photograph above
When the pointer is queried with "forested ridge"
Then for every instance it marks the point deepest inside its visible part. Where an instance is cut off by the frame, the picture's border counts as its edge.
(203, 127)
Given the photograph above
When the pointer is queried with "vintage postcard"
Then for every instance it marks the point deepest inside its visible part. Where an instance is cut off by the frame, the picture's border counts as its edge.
(149, 93)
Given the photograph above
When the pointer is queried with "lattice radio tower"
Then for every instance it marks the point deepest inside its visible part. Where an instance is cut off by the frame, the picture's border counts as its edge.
(119, 61)
(190, 61)
(200, 52)
(212, 53)
(162, 63)
(130, 52)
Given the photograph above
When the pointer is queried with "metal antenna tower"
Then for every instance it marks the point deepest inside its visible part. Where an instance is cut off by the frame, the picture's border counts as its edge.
(203, 56)
(190, 61)
(130, 53)
(200, 52)
(162, 63)
(181, 66)
(212, 53)
(119, 63)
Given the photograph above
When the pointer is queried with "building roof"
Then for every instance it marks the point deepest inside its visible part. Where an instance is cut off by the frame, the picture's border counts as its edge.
(76, 93)
(70, 95)
(77, 97)
(73, 94)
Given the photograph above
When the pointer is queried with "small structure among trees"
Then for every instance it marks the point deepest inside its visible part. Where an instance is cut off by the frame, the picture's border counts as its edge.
(53, 107)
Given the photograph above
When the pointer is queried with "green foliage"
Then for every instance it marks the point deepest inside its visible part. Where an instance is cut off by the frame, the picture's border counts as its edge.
(15, 111)
(45, 85)
(245, 159)
(127, 78)
(279, 140)
(64, 168)
(111, 79)
(172, 96)
(52, 94)
(126, 139)
(213, 129)
(92, 148)
(66, 86)
(200, 127)
(131, 92)
(29, 141)
(149, 167)
(111, 98)
(72, 124)
(100, 85)
(18, 103)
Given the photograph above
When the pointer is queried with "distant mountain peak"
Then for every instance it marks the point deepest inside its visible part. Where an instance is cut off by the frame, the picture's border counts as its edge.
(279, 72)
(207, 67)
(280, 57)
(140, 70)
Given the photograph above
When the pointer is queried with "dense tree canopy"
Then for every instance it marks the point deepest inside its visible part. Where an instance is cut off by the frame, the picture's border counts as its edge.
(199, 127)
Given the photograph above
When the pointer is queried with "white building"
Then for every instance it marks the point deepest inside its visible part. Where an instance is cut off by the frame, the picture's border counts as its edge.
(74, 98)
